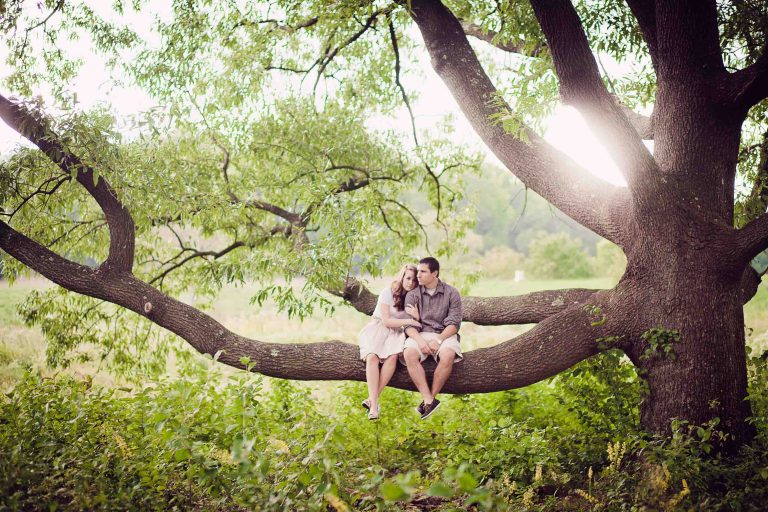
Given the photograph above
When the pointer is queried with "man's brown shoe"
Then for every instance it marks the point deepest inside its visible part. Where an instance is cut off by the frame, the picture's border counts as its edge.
(430, 408)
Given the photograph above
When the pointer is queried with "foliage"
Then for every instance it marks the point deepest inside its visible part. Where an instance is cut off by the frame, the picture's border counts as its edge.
(206, 440)
(660, 343)
(510, 215)
(557, 255)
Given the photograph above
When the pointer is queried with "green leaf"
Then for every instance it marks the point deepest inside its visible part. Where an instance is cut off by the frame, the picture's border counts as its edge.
(440, 489)
(467, 482)
(181, 455)
(391, 491)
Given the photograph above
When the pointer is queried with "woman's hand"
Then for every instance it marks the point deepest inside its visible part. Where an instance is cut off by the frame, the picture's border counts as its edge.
(412, 310)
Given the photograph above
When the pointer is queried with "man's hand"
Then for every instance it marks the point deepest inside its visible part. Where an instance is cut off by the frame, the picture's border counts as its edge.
(434, 346)
(423, 346)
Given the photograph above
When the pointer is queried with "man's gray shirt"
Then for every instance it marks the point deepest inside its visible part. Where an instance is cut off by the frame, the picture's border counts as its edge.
(437, 311)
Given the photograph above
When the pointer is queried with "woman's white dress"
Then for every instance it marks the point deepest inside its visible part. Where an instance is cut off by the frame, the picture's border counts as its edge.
(377, 338)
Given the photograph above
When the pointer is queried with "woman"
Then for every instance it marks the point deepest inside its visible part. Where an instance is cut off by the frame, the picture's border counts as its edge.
(381, 341)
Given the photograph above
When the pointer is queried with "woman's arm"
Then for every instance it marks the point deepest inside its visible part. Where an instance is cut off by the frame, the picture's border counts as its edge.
(394, 323)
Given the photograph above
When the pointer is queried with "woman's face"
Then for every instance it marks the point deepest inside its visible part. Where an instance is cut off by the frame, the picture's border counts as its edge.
(409, 280)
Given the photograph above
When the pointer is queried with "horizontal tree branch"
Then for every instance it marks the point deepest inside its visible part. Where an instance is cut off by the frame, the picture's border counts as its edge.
(291, 28)
(196, 254)
(319, 361)
(749, 86)
(516, 309)
(643, 125)
(291, 217)
(752, 239)
(41, 190)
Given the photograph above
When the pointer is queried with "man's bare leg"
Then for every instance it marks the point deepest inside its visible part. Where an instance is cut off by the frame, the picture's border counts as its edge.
(443, 370)
(416, 371)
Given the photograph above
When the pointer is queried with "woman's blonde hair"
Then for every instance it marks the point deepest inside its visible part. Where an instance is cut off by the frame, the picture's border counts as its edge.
(398, 292)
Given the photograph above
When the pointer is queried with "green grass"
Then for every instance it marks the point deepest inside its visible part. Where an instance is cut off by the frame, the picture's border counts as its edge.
(11, 296)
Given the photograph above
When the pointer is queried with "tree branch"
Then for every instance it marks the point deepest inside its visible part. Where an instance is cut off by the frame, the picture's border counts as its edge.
(41, 190)
(749, 86)
(427, 167)
(331, 54)
(582, 86)
(121, 227)
(642, 124)
(291, 28)
(537, 354)
(588, 200)
(645, 14)
(294, 218)
(196, 254)
(492, 38)
(516, 309)
(752, 239)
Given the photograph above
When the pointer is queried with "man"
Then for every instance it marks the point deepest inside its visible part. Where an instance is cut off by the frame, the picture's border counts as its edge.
(439, 308)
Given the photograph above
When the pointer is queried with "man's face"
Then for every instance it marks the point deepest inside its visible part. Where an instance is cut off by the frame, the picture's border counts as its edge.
(426, 278)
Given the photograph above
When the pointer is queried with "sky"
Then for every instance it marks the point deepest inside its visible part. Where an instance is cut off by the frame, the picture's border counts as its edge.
(565, 129)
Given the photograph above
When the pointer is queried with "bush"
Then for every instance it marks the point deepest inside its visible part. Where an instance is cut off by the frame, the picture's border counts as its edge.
(500, 262)
(609, 260)
(209, 441)
(557, 256)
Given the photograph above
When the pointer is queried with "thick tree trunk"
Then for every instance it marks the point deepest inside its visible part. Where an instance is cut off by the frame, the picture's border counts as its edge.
(703, 376)
(691, 348)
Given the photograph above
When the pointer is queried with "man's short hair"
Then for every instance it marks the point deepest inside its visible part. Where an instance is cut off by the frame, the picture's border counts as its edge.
(432, 263)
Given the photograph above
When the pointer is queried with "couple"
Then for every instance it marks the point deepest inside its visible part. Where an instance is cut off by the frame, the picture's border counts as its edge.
(412, 322)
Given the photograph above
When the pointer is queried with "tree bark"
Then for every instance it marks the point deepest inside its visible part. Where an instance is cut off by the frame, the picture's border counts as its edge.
(530, 308)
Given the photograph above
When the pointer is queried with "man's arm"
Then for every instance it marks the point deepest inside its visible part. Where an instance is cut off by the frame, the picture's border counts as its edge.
(452, 320)
(449, 331)
(412, 299)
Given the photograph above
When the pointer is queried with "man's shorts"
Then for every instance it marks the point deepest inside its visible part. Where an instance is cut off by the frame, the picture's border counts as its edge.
(451, 343)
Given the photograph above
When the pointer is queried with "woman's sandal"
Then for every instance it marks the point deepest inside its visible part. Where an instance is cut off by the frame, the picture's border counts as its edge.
(366, 404)
(374, 415)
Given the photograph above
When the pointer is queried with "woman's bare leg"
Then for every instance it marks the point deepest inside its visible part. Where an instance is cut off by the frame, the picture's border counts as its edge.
(372, 378)
(387, 371)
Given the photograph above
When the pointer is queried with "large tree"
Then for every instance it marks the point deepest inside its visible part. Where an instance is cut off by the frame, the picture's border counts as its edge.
(297, 184)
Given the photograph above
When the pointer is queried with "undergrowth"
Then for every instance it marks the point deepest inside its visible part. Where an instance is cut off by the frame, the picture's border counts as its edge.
(205, 440)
